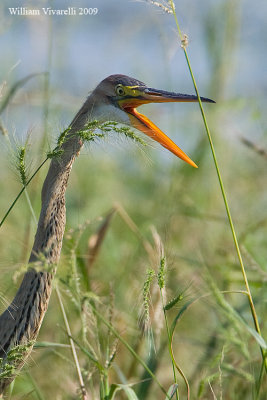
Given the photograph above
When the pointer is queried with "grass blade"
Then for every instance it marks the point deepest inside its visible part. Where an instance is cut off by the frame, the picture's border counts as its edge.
(184, 42)
(12, 91)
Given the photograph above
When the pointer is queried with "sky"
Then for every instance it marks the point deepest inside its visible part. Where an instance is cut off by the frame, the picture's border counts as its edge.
(128, 37)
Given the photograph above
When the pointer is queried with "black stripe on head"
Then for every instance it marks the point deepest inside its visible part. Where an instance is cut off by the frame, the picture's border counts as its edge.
(123, 80)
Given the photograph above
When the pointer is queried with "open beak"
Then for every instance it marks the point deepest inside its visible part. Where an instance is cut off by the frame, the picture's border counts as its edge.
(142, 123)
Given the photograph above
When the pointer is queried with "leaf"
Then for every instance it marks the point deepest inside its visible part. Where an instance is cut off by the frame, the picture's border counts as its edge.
(254, 333)
(128, 391)
(233, 315)
(96, 240)
(180, 313)
(39, 345)
(15, 88)
(172, 390)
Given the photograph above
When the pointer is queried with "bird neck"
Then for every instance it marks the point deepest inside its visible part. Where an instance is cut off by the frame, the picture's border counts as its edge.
(52, 220)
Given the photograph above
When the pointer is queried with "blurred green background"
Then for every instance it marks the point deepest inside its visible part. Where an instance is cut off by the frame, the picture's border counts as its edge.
(227, 49)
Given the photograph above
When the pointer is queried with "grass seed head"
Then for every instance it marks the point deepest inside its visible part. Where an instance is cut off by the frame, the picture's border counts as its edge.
(161, 273)
(146, 294)
(165, 6)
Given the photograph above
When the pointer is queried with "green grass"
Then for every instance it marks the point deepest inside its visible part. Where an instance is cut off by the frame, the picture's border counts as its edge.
(262, 344)
(151, 292)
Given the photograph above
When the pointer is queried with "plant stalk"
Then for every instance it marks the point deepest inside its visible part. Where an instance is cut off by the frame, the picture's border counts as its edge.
(73, 349)
(21, 191)
(251, 303)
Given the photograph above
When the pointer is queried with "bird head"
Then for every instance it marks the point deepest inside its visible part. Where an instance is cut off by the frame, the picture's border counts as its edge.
(117, 98)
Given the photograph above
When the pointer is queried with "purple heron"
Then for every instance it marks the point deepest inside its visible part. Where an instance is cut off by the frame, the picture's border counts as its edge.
(114, 99)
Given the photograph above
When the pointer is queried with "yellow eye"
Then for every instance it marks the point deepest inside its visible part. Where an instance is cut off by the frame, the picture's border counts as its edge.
(119, 90)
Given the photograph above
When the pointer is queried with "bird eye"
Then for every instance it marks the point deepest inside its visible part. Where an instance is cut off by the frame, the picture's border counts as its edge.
(119, 90)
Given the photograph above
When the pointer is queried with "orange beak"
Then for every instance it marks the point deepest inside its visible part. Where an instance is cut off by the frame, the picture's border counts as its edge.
(142, 123)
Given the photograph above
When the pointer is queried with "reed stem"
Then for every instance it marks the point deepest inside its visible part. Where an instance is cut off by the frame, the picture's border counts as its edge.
(73, 349)
(21, 191)
(251, 303)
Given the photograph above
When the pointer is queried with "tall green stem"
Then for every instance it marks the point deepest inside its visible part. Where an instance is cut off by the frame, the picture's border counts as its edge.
(73, 349)
(21, 191)
(169, 339)
(251, 303)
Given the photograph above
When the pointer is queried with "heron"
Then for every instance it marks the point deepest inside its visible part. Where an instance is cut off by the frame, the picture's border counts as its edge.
(116, 98)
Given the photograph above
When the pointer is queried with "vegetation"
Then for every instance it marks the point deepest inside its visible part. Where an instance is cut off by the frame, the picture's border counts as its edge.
(150, 299)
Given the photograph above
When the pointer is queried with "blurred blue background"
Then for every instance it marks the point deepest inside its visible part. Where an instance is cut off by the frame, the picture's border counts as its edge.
(140, 40)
